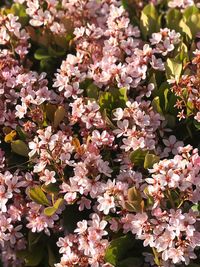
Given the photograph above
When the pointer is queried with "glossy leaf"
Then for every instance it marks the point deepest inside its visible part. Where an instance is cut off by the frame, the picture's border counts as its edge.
(137, 157)
(51, 188)
(134, 194)
(49, 211)
(149, 160)
(156, 105)
(37, 195)
(149, 22)
(113, 99)
(173, 18)
(118, 249)
(31, 258)
(41, 53)
(92, 91)
(173, 69)
(20, 148)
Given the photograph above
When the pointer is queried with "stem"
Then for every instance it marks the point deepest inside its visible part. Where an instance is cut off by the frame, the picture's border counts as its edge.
(170, 198)
(16, 166)
(156, 257)
(182, 201)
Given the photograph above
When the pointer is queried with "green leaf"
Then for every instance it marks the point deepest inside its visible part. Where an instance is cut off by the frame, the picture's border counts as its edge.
(166, 91)
(149, 160)
(21, 133)
(135, 202)
(196, 207)
(130, 262)
(181, 52)
(173, 69)
(20, 11)
(173, 18)
(107, 119)
(171, 120)
(171, 103)
(41, 53)
(31, 258)
(190, 108)
(51, 188)
(58, 203)
(92, 91)
(189, 11)
(137, 157)
(20, 148)
(125, 4)
(193, 23)
(197, 124)
(52, 258)
(59, 116)
(33, 239)
(190, 24)
(56, 51)
(118, 249)
(49, 211)
(113, 99)
(185, 29)
(156, 105)
(37, 195)
(134, 194)
(149, 22)
(47, 64)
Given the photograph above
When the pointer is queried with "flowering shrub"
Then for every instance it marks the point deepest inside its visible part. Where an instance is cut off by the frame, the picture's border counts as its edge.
(99, 133)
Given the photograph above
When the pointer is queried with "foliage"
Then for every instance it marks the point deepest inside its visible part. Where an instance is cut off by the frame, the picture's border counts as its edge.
(99, 133)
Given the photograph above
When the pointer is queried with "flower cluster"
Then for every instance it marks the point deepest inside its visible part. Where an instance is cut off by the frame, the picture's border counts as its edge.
(96, 169)
(187, 91)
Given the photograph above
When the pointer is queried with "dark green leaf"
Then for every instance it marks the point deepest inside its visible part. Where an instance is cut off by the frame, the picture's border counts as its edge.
(197, 124)
(21, 133)
(130, 262)
(118, 248)
(173, 18)
(56, 51)
(137, 157)
(113, 99)
(51, 188)
(31, 258)
(33, 239)
(92, 91)
(52, 258)
(41, 53)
